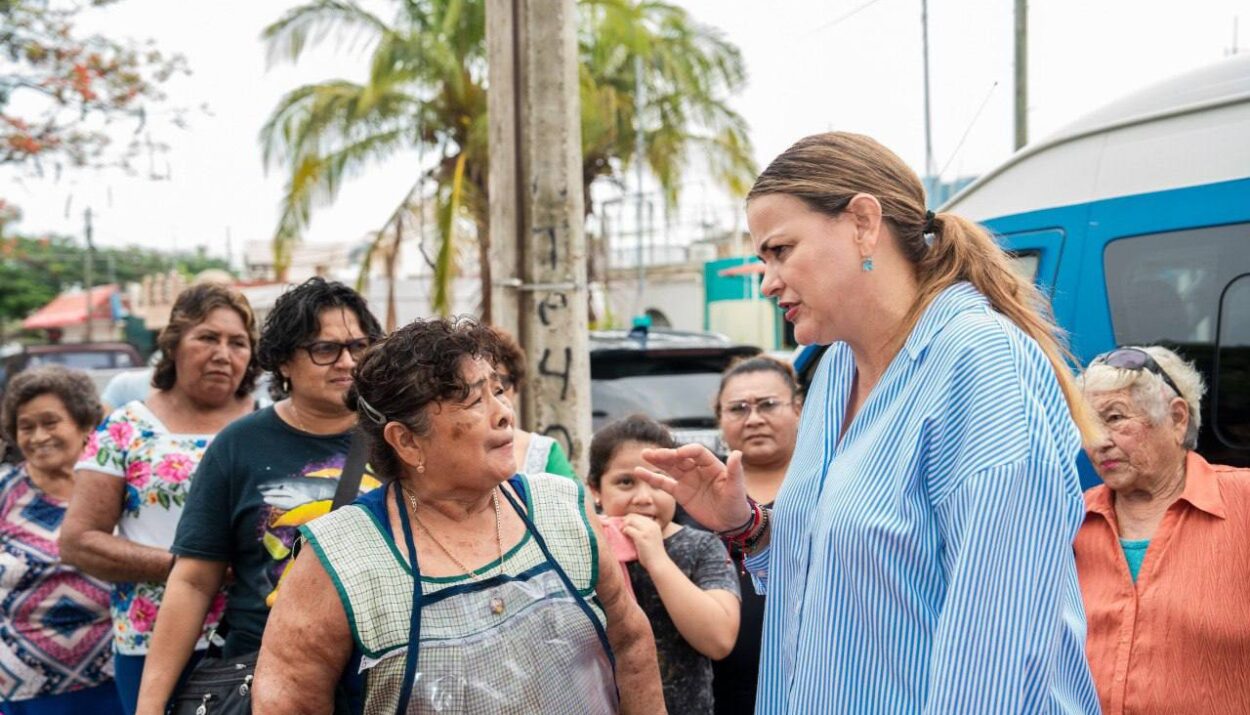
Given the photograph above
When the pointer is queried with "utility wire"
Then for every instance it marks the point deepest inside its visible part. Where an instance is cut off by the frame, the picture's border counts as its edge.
(967, 131)
(842, 18)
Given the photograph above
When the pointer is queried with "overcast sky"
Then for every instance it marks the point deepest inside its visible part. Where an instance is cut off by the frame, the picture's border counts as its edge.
(814, 65)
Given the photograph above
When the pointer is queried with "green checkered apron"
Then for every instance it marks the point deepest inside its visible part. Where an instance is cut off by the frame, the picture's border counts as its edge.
(547, 652)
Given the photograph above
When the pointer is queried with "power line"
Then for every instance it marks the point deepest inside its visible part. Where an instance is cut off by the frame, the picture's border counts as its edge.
(842, 18)
(968, 131)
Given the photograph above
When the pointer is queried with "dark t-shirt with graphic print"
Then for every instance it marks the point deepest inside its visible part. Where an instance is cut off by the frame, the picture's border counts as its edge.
(686, 674)
(259, 481)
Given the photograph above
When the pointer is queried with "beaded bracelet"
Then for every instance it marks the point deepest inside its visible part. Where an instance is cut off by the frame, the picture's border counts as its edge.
(752, 541)
(740, 535)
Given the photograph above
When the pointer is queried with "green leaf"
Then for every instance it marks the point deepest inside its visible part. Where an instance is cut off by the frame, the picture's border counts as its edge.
(426, 91)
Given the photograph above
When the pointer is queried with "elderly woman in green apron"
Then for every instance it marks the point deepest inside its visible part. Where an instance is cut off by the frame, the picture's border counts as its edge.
(460, 586)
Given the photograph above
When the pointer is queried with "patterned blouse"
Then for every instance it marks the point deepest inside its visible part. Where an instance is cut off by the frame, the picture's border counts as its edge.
(133, 444)
(54, 622)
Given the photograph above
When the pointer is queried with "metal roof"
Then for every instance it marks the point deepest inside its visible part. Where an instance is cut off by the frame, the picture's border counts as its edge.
(1224, 84)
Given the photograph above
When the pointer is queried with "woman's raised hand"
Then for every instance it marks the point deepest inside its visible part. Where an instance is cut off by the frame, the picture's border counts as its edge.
(711, 491)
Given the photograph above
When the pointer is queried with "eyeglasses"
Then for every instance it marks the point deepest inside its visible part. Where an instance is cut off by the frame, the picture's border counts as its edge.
(327, 352)
(741, 409)
(1135, 359)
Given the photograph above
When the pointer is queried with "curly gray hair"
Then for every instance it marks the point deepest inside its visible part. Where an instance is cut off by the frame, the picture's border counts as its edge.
(74, 389)
(1150, 391)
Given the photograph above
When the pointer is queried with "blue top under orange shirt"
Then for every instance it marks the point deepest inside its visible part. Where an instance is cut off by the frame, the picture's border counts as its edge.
(1134, 553)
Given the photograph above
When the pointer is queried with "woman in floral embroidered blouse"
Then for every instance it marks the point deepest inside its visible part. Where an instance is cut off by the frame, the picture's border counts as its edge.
(134, 476)
(55, 654)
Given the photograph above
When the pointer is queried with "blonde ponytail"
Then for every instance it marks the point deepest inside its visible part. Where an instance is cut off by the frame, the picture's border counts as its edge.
(964, 251)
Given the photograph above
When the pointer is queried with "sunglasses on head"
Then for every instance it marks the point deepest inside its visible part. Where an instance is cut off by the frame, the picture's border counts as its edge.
(1136, 359)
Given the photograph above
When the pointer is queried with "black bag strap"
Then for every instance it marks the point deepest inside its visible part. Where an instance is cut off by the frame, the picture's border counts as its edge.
(353, 470)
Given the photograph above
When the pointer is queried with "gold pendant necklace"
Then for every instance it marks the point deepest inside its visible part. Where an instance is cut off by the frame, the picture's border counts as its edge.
(295, 413)
(496, 604)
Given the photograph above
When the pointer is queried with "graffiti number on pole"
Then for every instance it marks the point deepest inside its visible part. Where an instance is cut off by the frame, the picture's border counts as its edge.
(563, 375)
(553, 302)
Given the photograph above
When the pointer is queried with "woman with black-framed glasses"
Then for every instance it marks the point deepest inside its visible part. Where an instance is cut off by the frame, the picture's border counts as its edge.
(1162, 553)
(264, 477)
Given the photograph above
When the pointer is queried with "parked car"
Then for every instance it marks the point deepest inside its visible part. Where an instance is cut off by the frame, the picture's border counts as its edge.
(100, 360)
(670, 375)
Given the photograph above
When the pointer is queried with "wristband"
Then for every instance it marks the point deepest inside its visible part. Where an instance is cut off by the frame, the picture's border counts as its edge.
(753, 541)
(739, 535)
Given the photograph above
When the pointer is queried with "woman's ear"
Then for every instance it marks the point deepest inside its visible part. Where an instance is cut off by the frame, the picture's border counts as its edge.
(405, 444)
(1178, 411)
(283, 373)
(865, 211)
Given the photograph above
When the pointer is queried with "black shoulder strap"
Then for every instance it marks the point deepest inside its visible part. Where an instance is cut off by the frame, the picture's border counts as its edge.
(353, 470)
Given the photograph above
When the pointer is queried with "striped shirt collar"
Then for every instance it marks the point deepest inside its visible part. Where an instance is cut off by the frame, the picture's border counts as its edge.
(1202, 491)
(953, 299)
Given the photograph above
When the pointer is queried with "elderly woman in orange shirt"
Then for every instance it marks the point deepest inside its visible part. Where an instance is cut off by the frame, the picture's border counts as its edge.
(1164, 553)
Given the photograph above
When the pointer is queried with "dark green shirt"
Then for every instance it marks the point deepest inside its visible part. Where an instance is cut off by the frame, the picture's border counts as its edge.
(558, 463)
(258, 482)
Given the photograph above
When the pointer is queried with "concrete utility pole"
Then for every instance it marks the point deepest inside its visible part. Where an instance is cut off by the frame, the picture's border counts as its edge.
(539, 245)
(1022, 74)
(930, 168)
(88, 271)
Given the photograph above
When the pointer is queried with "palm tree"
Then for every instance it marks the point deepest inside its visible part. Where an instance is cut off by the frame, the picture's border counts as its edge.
(426, 89)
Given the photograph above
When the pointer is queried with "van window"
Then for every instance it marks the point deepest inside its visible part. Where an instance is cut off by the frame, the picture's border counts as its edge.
(1231, 393)
(1165, 288)
(1025, 264)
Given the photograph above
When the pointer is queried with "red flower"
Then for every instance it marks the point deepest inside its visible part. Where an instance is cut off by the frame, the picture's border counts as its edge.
(142, 614)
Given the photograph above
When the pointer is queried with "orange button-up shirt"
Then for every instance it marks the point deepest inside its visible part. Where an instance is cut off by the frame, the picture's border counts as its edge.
(1177, 641)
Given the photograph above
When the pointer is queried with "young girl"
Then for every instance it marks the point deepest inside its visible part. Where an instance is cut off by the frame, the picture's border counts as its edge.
(683, 578)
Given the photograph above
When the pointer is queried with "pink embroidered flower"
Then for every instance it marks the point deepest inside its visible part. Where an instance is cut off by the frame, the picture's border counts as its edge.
(215, 610)
(138, 474)
(142, 614)
(92, 448)
(175, 468)
(120, 433)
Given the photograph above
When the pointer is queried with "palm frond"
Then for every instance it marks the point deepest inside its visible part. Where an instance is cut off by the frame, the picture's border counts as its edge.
(426, 89)
(448, 214)
(287, 38)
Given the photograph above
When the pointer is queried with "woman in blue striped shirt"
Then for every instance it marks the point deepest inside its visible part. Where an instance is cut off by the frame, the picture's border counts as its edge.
(919, 555)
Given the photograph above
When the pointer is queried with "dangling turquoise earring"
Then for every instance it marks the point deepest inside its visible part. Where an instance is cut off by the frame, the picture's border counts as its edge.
(867, 264)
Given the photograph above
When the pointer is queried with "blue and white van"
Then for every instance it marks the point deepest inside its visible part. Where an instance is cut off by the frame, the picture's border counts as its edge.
(1136, 220)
